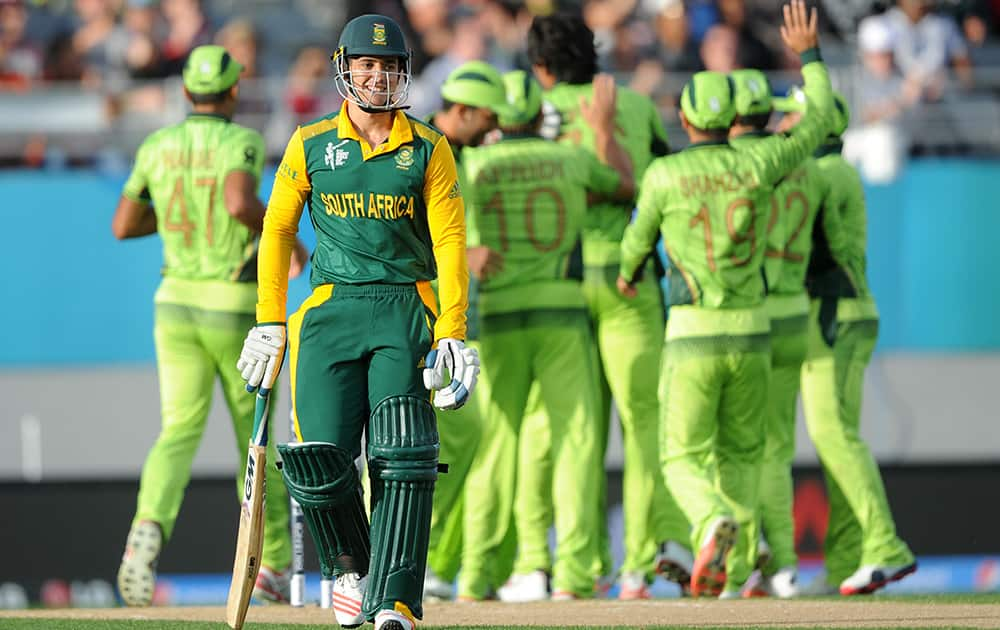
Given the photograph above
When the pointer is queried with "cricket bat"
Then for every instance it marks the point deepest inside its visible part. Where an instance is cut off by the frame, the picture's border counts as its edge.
(251, 537)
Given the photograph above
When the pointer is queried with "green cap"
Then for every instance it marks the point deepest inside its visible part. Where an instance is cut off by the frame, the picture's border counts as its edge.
(372, 34)
(796, 102)
(707, 100)
(210, 70)
(524, 96)
(477, 84)
(753, 92)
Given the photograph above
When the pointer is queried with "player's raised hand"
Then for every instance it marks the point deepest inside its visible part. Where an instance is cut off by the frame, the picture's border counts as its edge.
(800, 31)
(599, 112)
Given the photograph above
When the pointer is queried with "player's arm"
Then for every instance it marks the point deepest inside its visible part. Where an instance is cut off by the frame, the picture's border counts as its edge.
(280, 225)
(640, 235)
(600, 116)
(781, 153)
(446, 220)
(134, 216)
(606, 182)
(660, 145)
(244, 164)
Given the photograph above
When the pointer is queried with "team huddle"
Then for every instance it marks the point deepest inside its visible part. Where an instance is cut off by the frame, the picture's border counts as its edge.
(485, 287)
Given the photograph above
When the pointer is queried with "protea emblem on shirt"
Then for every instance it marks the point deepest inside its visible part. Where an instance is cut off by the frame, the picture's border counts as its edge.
(404, 158)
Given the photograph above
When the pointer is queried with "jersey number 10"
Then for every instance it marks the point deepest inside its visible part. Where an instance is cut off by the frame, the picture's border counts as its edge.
(496, 205)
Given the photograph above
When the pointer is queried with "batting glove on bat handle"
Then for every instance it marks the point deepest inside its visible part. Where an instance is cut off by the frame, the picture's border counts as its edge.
(263, 351)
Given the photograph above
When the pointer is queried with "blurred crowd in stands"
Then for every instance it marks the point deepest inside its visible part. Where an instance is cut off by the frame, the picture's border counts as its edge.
(896, 58)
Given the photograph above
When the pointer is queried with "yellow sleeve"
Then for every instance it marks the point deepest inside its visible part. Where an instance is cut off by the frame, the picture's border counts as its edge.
(446, 219)
(281, 224)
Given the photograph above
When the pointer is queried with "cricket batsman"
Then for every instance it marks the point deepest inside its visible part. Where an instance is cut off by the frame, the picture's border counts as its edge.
(367, 345)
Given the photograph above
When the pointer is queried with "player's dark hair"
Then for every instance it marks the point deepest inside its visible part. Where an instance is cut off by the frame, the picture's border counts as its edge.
(714, 135)
(531, 127)
(757, 121)
(215, 98)
(564, 44)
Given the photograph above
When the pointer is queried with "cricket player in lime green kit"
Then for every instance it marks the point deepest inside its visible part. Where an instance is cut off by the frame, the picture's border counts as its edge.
(367, 345)
(793, 208)
(529, 200)
(711, 204)
(863, 553)
(195, 184)
(629, 333)
(473, 97)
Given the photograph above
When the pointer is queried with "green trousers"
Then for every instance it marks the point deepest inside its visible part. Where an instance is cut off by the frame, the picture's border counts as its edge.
(533, 499)
(789, 321)
(861, 530)
(714, 439)
(629, 334)
(555, 349)
(194, 346)
(350, 347)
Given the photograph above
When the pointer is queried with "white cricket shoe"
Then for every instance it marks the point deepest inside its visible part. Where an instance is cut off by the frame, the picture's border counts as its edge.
(348, 593)
(273, 587)
(435, 588)
(782, 584)
(674, 562)
(137, 573)
(818, 587)
(872, 577)
(525, 587)
(393, 620)
(632, 585)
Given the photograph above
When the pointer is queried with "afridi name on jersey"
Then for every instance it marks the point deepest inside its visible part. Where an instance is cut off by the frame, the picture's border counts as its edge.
(385, 214)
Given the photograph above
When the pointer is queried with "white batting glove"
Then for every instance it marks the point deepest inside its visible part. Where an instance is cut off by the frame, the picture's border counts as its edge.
(263, 351)
(452, 373)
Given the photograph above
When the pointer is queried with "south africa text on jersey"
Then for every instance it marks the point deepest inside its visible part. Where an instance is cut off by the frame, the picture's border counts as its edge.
(370, 206)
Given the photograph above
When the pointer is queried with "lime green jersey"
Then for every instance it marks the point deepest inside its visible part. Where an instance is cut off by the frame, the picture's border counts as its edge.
(793, 207)
(711, 202)
(638, 129)
(182, 169)
(838, 264)
(529, 200)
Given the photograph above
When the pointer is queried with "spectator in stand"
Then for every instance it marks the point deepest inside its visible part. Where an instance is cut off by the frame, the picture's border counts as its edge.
(720, 49)
(20, 59)
(187, 28)
(752, 52)
(674, 51)
(98, 40)
(309, 94)
(144, 27)
(924, 44)
(241, 39)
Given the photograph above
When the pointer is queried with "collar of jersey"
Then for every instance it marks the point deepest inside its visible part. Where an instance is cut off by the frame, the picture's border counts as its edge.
(211, 115)
(757, 133)
(832, 145)
(400, 134)
(708, 143)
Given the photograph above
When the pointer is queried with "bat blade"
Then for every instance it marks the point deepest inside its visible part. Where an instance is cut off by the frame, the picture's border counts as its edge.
(250, 540)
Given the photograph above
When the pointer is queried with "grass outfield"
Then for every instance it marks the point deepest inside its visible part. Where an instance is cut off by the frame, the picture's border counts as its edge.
(79, 624)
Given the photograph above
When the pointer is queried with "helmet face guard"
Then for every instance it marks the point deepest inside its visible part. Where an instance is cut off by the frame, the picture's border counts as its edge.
(388, 91)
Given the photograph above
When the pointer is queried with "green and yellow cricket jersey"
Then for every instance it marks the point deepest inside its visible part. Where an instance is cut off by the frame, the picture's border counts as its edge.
(793, 207)
(838, 264)
(638, 129)
(390, 214)
(711, 203)
(529, 203)
(182, 169)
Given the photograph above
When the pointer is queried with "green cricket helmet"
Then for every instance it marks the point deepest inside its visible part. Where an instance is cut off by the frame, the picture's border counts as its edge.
(476, 84)
(372, 36)
(796, 102)
(524, 97)
(707, 100)
(752, 92)
(210, 70)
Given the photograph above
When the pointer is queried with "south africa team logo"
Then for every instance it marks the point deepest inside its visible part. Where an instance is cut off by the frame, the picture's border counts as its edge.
(404, 158)
(378, 34)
